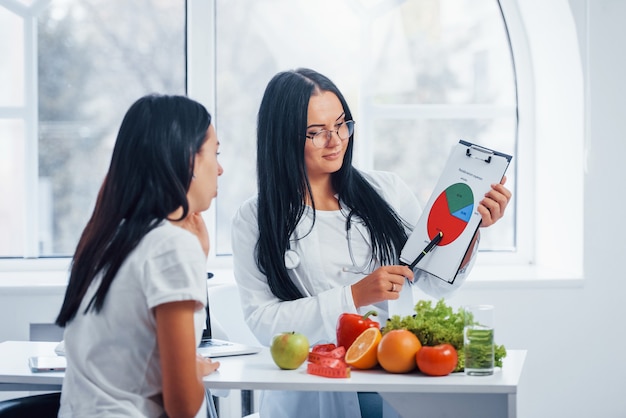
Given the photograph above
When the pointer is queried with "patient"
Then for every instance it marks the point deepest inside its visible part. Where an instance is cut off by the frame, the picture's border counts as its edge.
(134, 307)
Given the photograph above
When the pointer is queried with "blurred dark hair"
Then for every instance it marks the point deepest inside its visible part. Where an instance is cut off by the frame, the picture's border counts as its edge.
(148, 179)
(283, 185)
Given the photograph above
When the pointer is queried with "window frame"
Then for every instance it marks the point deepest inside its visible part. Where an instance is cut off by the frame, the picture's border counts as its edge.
(540, 190)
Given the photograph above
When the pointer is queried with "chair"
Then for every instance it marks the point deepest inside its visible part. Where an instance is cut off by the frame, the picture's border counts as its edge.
(36, 406)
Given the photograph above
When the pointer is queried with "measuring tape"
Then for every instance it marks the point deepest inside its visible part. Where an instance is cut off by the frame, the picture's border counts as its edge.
(327, 360)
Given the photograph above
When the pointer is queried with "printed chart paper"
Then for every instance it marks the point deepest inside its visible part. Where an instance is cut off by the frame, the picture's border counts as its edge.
(452, 209)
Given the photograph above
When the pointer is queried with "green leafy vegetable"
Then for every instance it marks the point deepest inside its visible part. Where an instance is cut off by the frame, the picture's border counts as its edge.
(439, 325)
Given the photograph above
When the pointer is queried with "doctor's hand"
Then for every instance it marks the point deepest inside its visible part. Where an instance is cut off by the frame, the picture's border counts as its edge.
(385, 283)
(492, 207)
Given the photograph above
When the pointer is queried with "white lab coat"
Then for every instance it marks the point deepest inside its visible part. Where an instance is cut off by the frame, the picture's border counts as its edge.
(329, 289)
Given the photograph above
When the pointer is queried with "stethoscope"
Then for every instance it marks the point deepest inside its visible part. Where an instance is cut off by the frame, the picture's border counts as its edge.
(292, 258)
(364, 269)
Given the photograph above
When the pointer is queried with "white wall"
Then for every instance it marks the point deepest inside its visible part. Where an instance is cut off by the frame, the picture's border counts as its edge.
(575, 335)
(23, 304)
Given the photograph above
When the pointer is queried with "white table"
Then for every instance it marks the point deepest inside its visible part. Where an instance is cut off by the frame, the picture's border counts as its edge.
(412, 395)
(15, 374)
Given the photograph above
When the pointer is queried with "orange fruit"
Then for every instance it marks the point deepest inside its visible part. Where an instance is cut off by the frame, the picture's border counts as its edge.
(363, 353)
(397, 349)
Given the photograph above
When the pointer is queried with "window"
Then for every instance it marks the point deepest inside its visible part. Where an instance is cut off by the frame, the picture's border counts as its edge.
(419, 75)
(69, 86)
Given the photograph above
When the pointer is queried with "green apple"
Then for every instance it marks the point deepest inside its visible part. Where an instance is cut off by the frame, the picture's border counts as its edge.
(289, 349)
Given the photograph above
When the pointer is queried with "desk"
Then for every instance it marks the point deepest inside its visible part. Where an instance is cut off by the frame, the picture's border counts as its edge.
(15, 373)
(412, 395)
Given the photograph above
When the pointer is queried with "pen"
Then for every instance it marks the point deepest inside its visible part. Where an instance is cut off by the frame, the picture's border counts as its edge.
(427, 249)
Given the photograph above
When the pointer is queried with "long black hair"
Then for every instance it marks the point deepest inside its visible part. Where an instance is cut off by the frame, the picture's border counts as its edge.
(283, 184)
(148, 179)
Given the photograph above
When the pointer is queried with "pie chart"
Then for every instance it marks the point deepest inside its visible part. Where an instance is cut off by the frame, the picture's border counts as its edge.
(450, 213)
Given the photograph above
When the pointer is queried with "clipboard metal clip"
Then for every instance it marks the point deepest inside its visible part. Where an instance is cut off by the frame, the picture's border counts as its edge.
(480, 153)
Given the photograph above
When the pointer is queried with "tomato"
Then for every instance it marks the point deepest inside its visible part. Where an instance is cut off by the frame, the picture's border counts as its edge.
(350, 326)
(439, 360)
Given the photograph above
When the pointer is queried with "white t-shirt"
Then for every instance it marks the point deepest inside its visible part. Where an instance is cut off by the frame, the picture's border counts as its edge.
(113, 367)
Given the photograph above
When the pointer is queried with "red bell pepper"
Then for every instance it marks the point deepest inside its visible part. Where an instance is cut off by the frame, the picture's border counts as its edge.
(350, 326)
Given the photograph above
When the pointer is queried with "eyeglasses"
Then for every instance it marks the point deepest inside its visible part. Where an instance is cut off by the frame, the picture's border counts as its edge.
(321, 138)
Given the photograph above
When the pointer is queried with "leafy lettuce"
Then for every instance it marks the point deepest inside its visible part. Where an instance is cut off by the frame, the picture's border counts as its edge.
(439, 325)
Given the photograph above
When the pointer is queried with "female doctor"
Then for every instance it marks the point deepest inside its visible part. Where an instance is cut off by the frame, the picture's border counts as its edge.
(322, 238)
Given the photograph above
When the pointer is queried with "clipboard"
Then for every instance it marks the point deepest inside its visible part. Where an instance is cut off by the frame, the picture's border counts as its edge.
(443, 233)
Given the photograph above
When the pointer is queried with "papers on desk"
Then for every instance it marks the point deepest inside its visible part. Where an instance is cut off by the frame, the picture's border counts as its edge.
(47, 364)
(60, 348)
